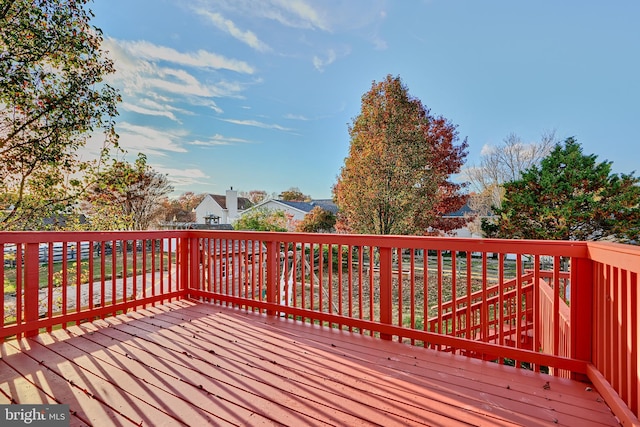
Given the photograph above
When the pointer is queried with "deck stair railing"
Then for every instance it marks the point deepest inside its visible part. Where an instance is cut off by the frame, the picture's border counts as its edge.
(491, 315)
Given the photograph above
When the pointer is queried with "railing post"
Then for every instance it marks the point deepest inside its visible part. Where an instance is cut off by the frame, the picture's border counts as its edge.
(31, 286)
(582, 326)
(386, 281)
(272, 273)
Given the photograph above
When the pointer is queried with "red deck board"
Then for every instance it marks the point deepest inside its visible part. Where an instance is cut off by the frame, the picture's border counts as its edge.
(415, 369)
(171, 379)
(34, 384)
(284, 386)
(194, 364)
(301, 391)
(561, 389)
(235, 396)
(439, 386)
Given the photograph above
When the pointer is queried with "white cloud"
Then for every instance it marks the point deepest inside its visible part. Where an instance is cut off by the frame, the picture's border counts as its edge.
(296, 117)
(299, 13)
(165, 105)
(206, 103)
(256, 123)
(228, 26)
(143, 80)
(379, 44)
(218, 139)
(321, 63)
(487, 149)
(134, 139)
(191, 173)
(183, 177)
(290, 13)
(185, 86)
(200, 59)
(149, 111)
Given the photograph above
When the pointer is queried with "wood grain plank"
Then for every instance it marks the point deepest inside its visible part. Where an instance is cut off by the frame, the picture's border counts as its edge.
(261, 376)
(33, 383)
(493, 382)
(188, 363)
(111, 387)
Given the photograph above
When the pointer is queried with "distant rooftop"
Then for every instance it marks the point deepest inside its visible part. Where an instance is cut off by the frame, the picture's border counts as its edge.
(326, 204)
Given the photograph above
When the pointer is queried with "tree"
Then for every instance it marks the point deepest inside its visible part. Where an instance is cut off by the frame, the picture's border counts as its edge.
(254, 196)
(317, 221)
(182, 208)
(504, 163)
(52, 97)
(262, 219)
(571, 197)
(395, 179)
(129, 192)
(294, 194)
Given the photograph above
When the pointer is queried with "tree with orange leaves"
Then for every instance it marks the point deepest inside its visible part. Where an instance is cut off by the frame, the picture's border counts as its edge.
(397, 176)
(53, 98)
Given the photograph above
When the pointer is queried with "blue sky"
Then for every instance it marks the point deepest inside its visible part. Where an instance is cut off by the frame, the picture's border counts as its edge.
(258, 94)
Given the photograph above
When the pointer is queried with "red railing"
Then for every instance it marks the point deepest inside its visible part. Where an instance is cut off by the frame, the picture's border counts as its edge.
(53, 279)
(615, 325)
(501, 300)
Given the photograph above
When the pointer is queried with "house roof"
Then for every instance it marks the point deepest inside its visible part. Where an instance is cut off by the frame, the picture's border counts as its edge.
(464, 210)
(326, 204)
(243, 202)
(302, 206)
(307, 207)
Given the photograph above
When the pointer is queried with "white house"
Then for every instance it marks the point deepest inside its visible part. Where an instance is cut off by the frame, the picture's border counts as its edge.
(219, 209)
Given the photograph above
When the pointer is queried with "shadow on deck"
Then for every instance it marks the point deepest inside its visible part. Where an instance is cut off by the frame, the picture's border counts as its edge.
(195, 364)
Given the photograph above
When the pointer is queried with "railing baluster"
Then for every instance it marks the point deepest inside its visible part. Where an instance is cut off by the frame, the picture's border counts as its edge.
(454, 296)
(50, 283)
(386, 265)
(400, 302)
(90, 267)
(501, 301)
(440, 275)
(2, 284)
(78, 255)
(330, 262)
(468, 319)
(272, 273)
(372, 288)
(633, 340)
(360, 288)
(412, 290)
(152, 255)
(484, 315)
(340, 278)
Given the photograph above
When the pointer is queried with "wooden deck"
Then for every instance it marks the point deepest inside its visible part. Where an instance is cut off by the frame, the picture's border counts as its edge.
(196, 364)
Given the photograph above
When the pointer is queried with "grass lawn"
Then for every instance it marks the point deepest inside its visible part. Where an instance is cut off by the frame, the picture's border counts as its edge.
(110, 268)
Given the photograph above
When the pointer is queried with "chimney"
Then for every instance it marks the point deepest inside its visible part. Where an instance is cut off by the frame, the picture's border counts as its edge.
(232, 205)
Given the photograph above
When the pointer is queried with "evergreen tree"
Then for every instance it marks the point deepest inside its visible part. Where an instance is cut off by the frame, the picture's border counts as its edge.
(571, 196)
